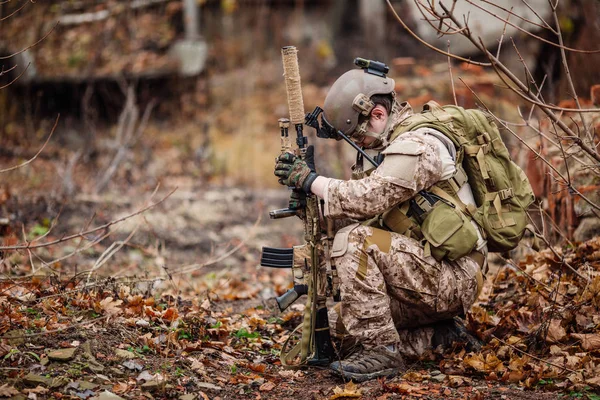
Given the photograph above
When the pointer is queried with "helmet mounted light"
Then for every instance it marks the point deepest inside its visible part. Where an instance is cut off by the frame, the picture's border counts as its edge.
(372, 67)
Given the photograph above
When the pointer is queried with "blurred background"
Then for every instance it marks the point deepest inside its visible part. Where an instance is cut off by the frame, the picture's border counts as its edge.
(187, 93)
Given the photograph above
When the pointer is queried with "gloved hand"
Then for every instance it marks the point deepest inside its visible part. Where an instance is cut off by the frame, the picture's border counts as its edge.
(294, 172)
(297, 199)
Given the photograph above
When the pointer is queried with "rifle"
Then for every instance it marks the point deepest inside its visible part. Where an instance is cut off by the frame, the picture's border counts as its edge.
(311, 278)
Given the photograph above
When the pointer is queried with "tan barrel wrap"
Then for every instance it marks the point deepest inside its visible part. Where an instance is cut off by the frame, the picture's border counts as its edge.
(291, 74)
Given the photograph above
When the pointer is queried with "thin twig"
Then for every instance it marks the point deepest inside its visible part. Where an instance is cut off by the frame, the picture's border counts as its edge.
(36, 154)
(413, 34)
(31, 46)
(525, 31)
(16, 11)
(501, 40)
(497, 65)
(565, 64)
(83, 234)
(532, 356)
(451, 76)
(92, 321)
(194, 267)
(17, 78)
(531, 148)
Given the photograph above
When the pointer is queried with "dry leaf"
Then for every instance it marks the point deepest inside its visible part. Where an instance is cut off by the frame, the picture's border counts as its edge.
(456, 380)
(37, 390)
(170, 314)
(475, 361)
(260, 368)
(589, 341)
(204, 396)
(110, 306)
(196, 366)
(120, 387)
(350, 390)
(556, 332)
(267, 387)
(8, 391)
(593, 381)
(413, 377)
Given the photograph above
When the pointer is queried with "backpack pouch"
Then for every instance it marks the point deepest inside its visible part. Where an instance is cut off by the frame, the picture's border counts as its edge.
(449, 233)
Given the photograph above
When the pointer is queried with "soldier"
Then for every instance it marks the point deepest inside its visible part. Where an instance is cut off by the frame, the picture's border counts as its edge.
(397, 300)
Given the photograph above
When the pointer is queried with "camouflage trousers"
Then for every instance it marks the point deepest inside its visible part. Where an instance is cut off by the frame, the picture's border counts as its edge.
(391, 293)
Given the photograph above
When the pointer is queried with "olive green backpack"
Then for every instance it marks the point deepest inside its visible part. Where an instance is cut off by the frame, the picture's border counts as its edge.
(501, 189)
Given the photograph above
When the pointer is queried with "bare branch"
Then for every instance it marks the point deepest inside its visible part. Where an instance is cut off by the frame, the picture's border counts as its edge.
(498, 65)
(6, 71)
(25, 245)
(547, 25)
(17, 78)
(17, 10)
(194, 267)
(36, 154)
(571, 187)
(529, 33)
(451, 77)
(563, 57)
(502, 36)
(430, 46)
(31, 46)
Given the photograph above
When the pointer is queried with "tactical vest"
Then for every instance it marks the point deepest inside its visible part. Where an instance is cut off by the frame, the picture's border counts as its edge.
(436, 216)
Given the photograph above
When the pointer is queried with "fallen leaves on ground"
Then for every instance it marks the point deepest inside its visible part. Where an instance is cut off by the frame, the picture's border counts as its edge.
(349, 391)
(540, 322)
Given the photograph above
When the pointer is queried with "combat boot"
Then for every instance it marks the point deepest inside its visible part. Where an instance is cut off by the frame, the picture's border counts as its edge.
(453, 330)
(370, 363)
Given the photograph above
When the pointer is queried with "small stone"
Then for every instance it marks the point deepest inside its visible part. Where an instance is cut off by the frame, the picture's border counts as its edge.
(142, 322)
(128, 355)
(34, 380)
(62, 354)
(95, 367)
(206, 385)
(59, 381)
(438, 378)
(145, 376)
(106, 395)
(435, 372)
(117, 372)
(15, 337)
(151, 385)
(84, 385)
(85, 394)
(133, 365)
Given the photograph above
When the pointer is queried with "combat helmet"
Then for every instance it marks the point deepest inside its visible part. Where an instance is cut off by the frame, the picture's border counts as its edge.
(350, 95)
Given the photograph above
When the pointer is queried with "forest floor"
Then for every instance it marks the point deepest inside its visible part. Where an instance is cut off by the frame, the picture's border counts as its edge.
(159, 292)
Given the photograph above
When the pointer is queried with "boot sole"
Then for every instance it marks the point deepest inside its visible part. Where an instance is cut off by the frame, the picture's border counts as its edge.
(356, 377)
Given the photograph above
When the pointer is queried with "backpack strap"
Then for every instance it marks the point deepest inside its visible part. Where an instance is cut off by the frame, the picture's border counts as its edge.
(453, 184)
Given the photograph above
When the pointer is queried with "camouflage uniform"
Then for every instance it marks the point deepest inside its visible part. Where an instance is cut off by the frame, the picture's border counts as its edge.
(390, 291)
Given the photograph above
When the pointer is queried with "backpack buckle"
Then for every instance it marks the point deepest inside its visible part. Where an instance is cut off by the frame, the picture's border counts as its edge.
(506, 194)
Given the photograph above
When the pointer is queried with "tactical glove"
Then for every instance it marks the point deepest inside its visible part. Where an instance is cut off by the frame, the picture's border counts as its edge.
(294, 172)
(297, 199)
